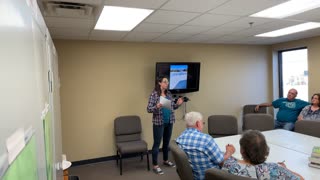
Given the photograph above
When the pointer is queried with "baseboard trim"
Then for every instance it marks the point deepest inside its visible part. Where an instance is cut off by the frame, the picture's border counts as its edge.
(102, 159)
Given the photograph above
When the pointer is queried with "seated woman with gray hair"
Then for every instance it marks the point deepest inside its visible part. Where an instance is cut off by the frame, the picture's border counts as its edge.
(254, 151)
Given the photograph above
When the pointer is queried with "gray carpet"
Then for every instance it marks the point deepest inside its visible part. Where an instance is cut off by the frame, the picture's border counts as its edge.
(133, 169)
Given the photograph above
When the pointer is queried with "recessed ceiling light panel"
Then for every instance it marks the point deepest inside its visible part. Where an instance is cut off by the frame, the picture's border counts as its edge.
(288, 8)
(291, 30)
(121, 18)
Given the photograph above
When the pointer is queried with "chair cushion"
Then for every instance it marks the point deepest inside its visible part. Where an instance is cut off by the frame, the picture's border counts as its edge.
(129, 137)
(132, 147)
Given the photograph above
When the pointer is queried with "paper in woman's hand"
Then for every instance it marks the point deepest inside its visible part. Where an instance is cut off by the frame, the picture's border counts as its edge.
(166, 103)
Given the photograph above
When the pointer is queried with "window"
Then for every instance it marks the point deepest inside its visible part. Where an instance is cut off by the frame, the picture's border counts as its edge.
(293, 72)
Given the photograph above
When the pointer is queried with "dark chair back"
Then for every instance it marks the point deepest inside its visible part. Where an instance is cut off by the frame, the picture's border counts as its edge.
(250, 109)
(127, 128)
(308, 127)
(184, 169)
(214, 174)
(261, 122)
(222, 125)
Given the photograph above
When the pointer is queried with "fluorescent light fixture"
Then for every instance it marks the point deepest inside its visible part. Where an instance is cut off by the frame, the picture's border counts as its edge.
(121, 18)
(288, 9)
(290, 30)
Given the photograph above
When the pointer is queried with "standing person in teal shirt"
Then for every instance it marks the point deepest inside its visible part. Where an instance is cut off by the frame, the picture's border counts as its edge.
(162, 119)
(289, 110)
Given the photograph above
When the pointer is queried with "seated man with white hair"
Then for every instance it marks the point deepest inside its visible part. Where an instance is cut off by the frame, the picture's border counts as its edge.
(201, 149)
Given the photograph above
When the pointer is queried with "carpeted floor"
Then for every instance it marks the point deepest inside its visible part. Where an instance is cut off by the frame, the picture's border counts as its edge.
(133, 169)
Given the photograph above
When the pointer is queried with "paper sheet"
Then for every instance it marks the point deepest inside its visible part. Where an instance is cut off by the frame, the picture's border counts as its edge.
(166, 103)
(15, 143)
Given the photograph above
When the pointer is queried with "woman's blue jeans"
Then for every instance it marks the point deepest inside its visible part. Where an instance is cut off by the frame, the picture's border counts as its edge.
(160, 131)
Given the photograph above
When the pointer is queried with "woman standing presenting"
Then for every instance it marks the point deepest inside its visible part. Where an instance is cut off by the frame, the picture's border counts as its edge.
(162, 119)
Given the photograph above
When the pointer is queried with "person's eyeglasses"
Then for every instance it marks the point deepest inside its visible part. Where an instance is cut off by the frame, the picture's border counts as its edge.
(167, 82)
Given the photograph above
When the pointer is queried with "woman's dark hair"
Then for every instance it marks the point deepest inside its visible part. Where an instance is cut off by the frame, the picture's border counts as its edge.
(316, 94)
(157, 87)
(254, 147)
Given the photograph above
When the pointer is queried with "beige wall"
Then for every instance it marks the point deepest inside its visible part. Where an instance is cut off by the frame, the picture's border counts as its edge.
(103, 80)
(313, 46)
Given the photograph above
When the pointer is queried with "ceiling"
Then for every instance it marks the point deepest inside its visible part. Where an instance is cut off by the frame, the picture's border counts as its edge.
(180, 21)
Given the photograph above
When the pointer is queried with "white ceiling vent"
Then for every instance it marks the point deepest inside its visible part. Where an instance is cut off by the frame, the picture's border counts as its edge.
(68, 9)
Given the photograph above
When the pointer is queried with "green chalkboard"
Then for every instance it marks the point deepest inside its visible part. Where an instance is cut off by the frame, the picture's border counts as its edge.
(25, 165)
(47, 126)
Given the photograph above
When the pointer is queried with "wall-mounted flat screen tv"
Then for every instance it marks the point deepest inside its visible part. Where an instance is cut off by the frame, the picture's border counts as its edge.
(184, 77)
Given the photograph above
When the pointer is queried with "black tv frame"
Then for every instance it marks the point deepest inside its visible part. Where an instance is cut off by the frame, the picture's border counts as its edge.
(195, 72)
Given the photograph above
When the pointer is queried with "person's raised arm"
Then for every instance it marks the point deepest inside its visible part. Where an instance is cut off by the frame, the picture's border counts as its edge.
(262, 105)
(179, 102)
(229, 151)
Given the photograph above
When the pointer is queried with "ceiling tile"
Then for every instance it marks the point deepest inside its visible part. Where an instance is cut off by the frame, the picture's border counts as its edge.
(107, 35)
(192, 5)
(253, 39)
(69, 32)
(250, 32)
(216, 41)
(245, 7)
(312, 15)
(190, 29)
(151, 27)
(140, 36)
(93, 2)
(277, 24)
(152, 4)
(211, 20)
(71, 37)
(245, 22)
(223, 30)
(60, 22)
(229, 37)
(171, 37)
(170, 17)
(199, 38)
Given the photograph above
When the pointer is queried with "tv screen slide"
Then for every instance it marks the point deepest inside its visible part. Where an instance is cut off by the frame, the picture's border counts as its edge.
(178, 76)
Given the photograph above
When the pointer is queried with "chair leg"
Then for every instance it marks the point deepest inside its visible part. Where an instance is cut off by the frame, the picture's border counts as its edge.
(148, 161)
(120, 165)
(117, 158)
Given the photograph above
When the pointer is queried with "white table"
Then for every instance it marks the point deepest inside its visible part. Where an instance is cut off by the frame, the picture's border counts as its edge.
(292, 151)
(292, 140)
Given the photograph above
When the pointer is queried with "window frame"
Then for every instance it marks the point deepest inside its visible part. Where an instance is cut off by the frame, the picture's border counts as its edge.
(281, 67)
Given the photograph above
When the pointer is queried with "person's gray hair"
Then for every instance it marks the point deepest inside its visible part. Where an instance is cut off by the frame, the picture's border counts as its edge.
(192, 117)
